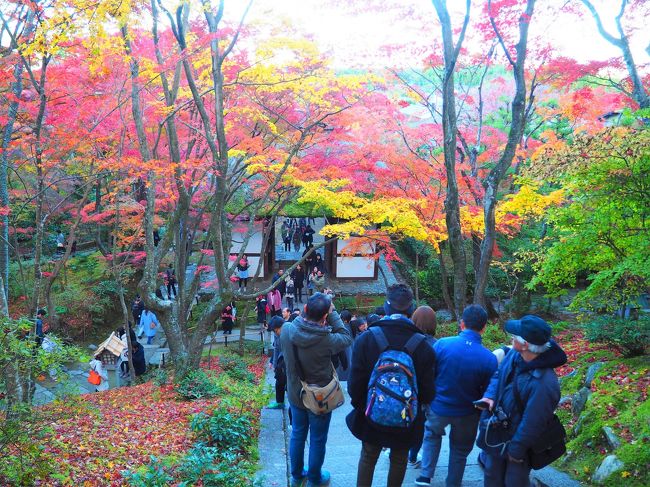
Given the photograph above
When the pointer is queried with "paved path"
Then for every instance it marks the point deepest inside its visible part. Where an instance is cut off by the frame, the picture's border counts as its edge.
(343, 451)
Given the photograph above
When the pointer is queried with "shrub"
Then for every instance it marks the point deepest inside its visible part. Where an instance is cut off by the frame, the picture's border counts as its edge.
(223, 430)
(254, 348)
(214, 468)
(22, 460)
(494, 337)
(196, 384)
(160, 377)
(151, 475)
(631, 337)
(236, 368)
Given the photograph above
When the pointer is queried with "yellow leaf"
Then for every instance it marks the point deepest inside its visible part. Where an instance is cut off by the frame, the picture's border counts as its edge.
(625, 474)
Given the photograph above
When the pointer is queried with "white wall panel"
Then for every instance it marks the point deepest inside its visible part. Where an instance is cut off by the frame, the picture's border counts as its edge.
(355, 267)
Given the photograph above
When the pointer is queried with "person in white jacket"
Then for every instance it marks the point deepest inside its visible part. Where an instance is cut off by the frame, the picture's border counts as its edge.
(98, 367)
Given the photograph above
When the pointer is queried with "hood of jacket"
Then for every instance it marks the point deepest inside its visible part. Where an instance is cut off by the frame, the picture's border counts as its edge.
(306, 333)
(552, 358)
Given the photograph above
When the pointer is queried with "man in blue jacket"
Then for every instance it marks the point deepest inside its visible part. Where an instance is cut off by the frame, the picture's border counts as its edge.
(527, 390)
(464, 368)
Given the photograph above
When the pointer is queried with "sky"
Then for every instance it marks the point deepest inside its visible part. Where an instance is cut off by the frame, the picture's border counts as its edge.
(357, 39)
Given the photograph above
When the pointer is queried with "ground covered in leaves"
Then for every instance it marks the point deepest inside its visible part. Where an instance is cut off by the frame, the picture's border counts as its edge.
(113, 438)
(618, 400)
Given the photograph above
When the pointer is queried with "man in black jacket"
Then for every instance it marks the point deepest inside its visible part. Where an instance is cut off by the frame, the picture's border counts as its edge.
(398, 330)
(136, 309)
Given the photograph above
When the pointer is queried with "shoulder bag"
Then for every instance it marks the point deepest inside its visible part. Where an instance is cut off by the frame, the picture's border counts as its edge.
(94, 378)
(319, 400)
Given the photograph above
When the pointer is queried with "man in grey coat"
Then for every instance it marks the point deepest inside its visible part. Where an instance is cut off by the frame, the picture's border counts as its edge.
(315, 337)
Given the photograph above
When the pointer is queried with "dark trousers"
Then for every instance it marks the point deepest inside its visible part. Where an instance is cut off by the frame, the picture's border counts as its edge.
(503, 473)
(280, 386)
(299, 294)
(171, 288)
(368, 460)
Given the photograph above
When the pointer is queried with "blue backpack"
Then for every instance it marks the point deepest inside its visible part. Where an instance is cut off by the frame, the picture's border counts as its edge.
(392, 402)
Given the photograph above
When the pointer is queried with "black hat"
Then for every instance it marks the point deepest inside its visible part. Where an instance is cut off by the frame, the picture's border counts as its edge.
(275, 322)
(531, 328)
(399, 299)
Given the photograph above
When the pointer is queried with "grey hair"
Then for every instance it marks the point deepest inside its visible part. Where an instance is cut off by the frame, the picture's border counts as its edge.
(532, 348)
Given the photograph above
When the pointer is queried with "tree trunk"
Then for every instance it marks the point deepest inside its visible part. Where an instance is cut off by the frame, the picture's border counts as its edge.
(450, 132)
(12, 114)
(622, 42)
(494, 178)
(445, 289)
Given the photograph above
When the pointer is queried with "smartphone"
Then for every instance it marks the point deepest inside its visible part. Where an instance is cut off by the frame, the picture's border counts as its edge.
(481, 405)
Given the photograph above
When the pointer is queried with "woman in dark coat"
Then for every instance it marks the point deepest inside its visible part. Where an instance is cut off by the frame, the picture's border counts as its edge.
(227, 320)
(298, 276)
(319, 263)
(139, 364)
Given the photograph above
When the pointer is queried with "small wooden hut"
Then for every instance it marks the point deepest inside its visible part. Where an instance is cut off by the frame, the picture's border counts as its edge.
(109, 351)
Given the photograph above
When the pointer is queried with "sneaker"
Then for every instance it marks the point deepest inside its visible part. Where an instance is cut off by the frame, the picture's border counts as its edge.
(423, 481)
(415, 464)
(324, 480)
(299, 482)
(275, 405)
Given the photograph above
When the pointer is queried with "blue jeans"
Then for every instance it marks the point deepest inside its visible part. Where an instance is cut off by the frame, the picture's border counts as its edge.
(503, 473)
(303, 421)
(150, 339)
(461, 442)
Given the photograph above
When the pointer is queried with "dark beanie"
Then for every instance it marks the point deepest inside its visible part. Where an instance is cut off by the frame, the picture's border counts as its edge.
(399, 300)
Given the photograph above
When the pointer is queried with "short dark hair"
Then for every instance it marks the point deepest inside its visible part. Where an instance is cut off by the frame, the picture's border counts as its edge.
(41, 312)
(372, 318)
(355, 324)
(475, 317)
(318, 306)
(346, 316)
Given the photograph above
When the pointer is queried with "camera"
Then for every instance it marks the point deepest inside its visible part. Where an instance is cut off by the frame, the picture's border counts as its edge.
(500, 418)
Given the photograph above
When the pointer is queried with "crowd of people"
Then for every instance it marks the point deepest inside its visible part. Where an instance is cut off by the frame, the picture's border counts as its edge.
(406, 387)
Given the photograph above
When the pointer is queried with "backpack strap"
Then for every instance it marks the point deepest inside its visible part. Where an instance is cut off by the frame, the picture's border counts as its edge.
(411, 345)
(380, 337)
(414, 342)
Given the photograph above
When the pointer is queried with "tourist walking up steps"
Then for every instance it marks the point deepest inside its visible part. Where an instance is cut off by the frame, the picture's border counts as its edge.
(136, 309)
(463, 371)
(170, 281)
(242, 273)
(308, 344)
(148, 325)
(379, 419)
(277, 361)
(298, 276)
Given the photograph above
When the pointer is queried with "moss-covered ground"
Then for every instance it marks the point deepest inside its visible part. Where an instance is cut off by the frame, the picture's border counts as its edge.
(619, 400)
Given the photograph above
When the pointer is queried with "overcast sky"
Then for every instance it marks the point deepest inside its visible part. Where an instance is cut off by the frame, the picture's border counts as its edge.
(356, 39)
